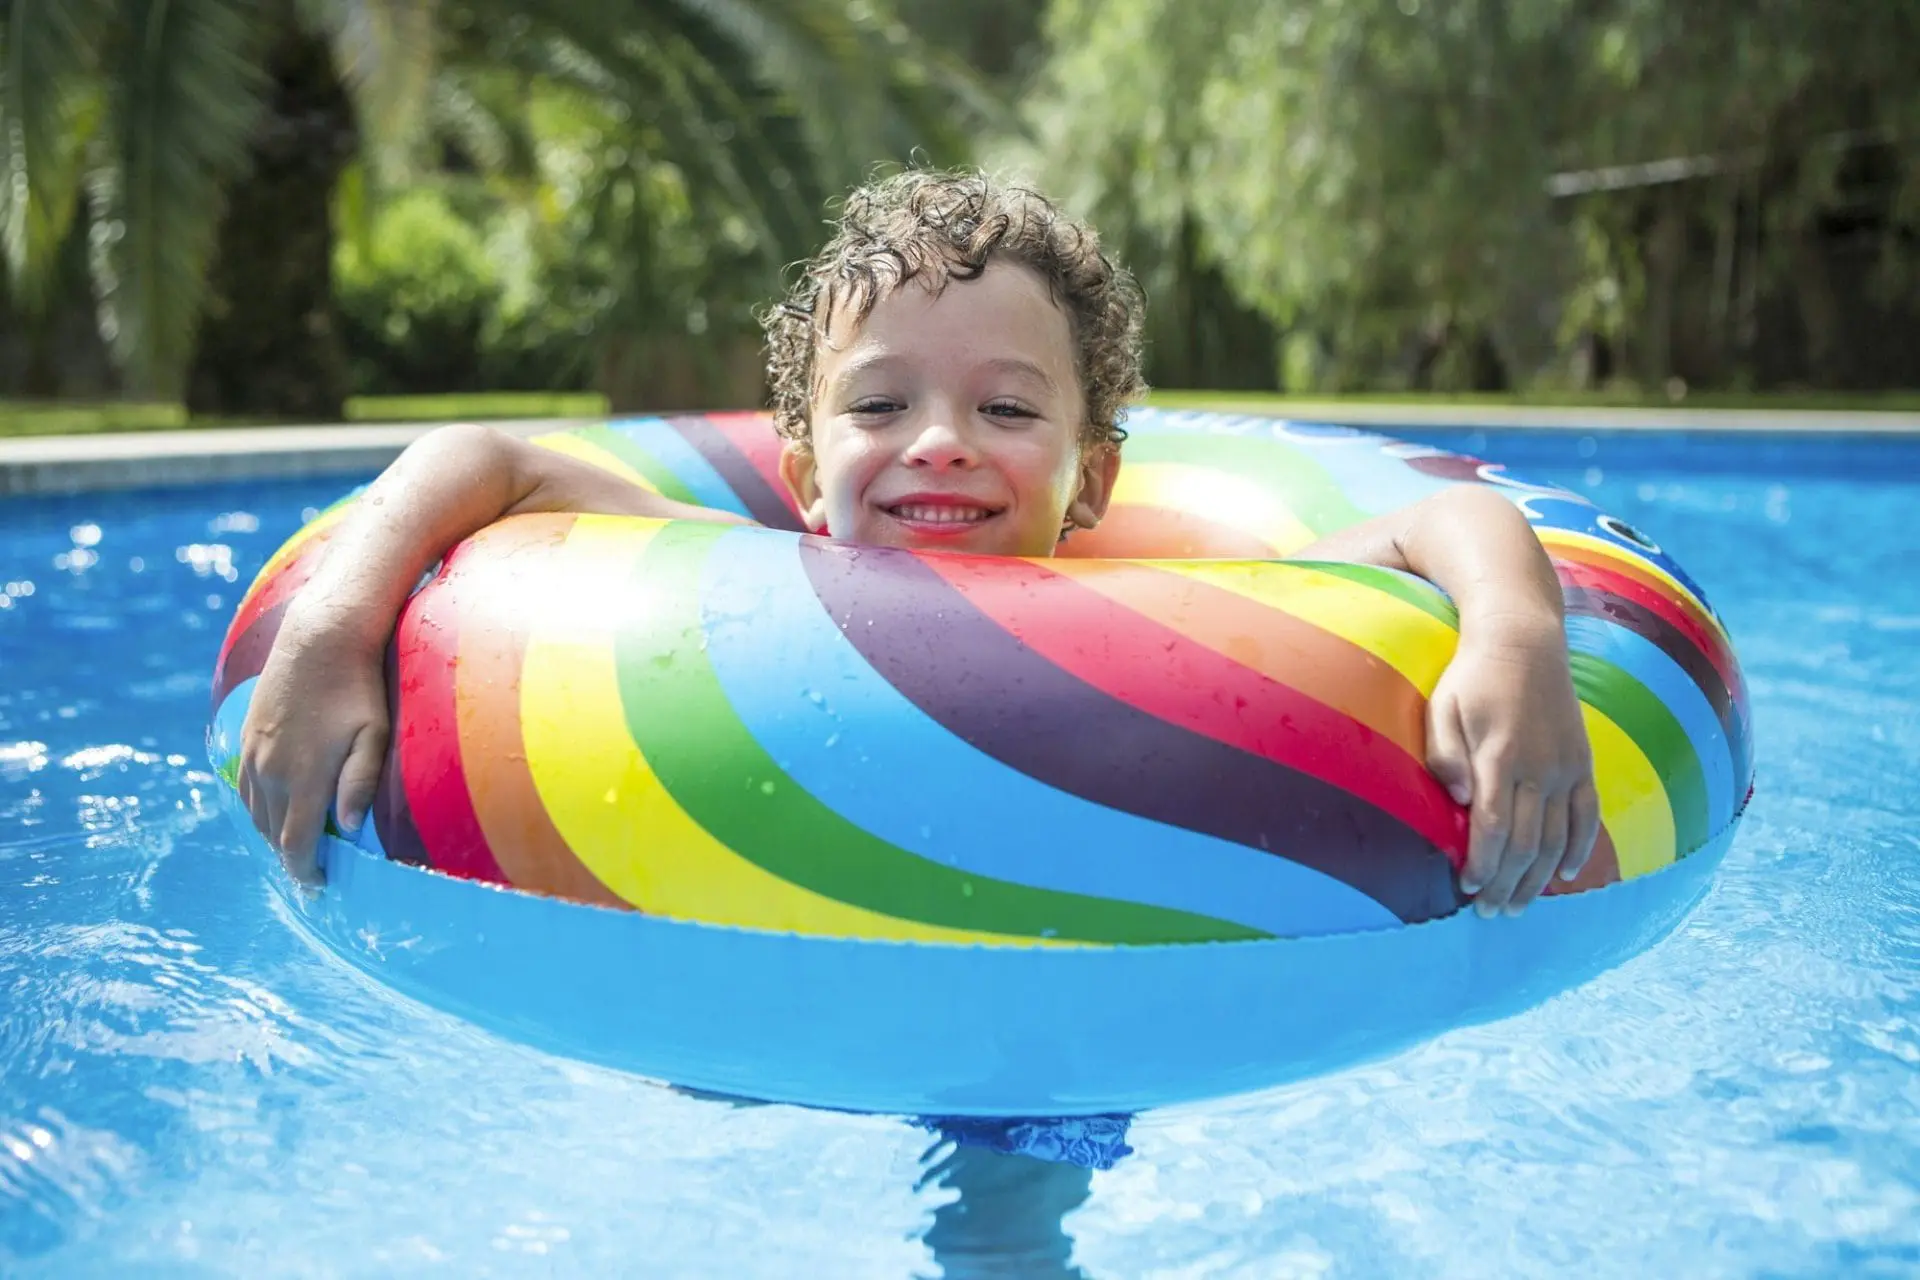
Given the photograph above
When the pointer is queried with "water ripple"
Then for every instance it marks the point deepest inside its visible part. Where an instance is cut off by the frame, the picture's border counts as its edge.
(188, 1086)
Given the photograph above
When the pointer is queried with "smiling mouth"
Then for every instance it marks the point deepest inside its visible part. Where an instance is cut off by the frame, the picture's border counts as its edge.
(957, 515)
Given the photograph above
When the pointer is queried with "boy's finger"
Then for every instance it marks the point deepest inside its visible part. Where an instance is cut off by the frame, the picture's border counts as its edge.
(360, 778)
(1553, 846)
(276, 807)
(1583, 829)
(1487, 843)
(299, 832)
(243, 786)
(1523, 846)
(1447, 756)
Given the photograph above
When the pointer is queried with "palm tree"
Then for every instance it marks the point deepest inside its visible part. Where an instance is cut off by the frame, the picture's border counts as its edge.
(198, 145)
(719, 141)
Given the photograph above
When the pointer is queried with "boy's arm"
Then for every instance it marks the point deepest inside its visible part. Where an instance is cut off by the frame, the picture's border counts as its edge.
(1505, 731)
(316, 730)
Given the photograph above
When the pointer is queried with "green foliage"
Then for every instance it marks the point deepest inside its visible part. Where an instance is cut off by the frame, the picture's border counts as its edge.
(698, 140)
(142, 112)
(416, 296)
(50, 108)
(185, 97)
(1437, 192)
(645, 177)
(145, 109)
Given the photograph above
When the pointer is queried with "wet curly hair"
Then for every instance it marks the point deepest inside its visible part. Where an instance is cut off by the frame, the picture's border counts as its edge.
(942, 227)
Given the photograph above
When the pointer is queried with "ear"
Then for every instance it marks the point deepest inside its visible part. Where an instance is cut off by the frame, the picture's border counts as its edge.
(800, 469)
(1099, 470)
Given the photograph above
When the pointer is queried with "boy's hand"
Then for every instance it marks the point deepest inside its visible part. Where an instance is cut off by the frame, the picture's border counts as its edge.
(315, 734)
(1505, 734)
(316, 731)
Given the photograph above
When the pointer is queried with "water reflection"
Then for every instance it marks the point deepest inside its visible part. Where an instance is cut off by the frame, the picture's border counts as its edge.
(1007, 1220)
(1010, 1183)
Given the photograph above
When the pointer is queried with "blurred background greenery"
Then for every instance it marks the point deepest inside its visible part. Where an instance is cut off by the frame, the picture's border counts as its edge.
(260, 210)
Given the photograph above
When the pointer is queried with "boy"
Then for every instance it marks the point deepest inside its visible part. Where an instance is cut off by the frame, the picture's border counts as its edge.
(949, 374)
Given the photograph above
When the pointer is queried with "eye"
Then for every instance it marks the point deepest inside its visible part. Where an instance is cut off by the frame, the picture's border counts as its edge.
(1007, 409)
(874, 405)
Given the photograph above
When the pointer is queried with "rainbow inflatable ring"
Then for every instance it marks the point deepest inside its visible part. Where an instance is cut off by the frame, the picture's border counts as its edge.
(762, 814)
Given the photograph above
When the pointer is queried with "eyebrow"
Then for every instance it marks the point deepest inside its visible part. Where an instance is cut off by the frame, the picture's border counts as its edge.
(881, 361)
(1024, 368)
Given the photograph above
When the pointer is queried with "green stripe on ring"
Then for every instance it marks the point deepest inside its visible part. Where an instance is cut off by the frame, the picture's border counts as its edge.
(1291, 473)
(657, 473)
(1643, 717)
(714, 769)
(1406, 588)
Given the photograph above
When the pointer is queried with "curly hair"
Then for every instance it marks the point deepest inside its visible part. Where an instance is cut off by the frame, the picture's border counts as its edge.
(942, 227)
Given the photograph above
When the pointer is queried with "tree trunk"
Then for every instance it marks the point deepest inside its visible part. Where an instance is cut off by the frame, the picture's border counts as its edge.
(1665, 250)
(270, 344)
(1819, 309)
(58, 354)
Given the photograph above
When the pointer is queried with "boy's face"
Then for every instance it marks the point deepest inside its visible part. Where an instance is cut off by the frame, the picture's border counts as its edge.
(952, 421)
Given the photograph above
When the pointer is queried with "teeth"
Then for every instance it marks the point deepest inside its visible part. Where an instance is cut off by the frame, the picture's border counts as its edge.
(940, 515)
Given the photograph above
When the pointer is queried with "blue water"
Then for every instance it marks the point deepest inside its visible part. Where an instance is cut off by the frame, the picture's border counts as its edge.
(188, 1088)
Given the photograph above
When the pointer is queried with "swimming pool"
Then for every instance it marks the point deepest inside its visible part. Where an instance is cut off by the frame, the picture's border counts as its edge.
(187, 1087)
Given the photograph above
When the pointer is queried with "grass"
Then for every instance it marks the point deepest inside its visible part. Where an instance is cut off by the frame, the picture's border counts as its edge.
(489, 404)
(38, 419)
(41, 419)
(84, 419)
(1279, 403)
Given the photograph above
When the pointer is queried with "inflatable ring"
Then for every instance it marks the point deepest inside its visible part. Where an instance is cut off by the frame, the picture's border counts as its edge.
(943, 834)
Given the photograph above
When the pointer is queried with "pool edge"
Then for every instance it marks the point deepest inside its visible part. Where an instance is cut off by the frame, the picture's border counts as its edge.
(33, 465)
(96, 462)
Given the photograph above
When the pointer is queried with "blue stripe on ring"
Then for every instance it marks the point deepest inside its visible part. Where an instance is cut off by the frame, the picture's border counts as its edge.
(1371, 481)
(859, 746)
(671, 450)
(1667, 681)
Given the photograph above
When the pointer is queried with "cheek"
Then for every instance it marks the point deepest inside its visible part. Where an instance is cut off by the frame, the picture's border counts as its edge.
(1051, 473)
(846, 470)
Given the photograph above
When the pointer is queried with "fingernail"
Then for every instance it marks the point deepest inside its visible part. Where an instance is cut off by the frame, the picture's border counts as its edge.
(1572, 873)
(1459, 793)
(1486, 910)
(1469, 887)
(1513, 910)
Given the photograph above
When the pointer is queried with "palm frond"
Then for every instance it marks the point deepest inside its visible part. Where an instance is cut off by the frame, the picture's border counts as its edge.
(697, 121)
(186, 102)
(487, 112)
(680, 127)
(866, 89)
(50, 107)
(387, 51)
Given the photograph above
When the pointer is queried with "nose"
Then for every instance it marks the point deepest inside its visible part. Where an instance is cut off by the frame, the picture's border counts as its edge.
(941, 442)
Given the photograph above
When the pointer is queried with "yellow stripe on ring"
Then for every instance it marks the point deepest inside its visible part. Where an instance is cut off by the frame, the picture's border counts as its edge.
(1633, 800)
(1407, 638)
(1274, 662)
(606, 802)
(1232, 500)
(292, 547)
(1613, 551)
(574, 447)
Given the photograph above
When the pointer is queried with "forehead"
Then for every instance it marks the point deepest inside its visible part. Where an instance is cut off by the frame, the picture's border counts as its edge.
(1005, 312)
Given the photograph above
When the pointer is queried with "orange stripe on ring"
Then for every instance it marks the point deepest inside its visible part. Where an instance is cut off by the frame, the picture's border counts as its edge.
(1287, 649)
(531, 853)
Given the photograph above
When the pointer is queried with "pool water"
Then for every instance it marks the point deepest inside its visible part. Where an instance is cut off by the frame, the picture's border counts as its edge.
(188, 1087)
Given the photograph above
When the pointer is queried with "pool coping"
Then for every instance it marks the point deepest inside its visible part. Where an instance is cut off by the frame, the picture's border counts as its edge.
(149, 459)
(145, 459)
